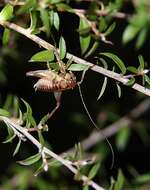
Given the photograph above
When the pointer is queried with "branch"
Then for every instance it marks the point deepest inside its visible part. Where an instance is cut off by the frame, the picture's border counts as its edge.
(112, 129)
(118, 15)
(47, 151)
(101, 70)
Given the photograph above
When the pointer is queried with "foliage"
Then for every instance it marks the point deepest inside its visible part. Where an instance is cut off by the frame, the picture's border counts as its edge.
(97, 23)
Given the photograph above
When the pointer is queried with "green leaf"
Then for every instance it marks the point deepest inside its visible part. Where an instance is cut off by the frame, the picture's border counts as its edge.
(17, 147)
(92, 49)
(145, 178)
(30, 160)
(86, 187)
(94, 171)
(28, 6)
(4, 112)
(30, 121)
(77, 67)
(9, 138)
(110, 29)
(118, 90)
(33, 22)
(54, 66)
(142, 63)
(84, 27)
(6, 36)
(102, 24)
(105, 80)
(78, 153)
(117, 60)
(132, 69)
(122, 138)
(141, 38)
(8, 102)
(103, 88)
(45, 20)
(39, 170)
(41, 139)
(6, 13)
(83, 24)
(62, 48)
(84, 43)
(120, 181)
(86, 38)
(84, 31)
(130, 33)
(147, 79)
(43, 56)
(56, 20)
(130, 82)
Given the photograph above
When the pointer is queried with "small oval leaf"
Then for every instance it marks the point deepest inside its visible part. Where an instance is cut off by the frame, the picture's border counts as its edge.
(92, 49)
(29, 119)
(84, 43)
(4, 112)
(62, 48)
(142, 63)
(94, 171)
(43, 56)
(122, 138)
(28, 6)
(117, 60)
(103, 88)
(56, 21)
(45, 20)
(30, 160)
(130, 82)
(141, 38)
(120, 181)
(130, 33)
(6, 36)
(147, 79)
(6, 13)
(110, 29)
(77, 67)
(17, 147)
(118, 90)
(9, 138)
(132, 69)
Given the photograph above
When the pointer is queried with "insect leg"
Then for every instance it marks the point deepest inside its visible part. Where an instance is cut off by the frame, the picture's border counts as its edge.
(58, 101)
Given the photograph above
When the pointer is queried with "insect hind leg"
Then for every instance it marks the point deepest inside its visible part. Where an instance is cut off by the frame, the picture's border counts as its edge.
(57, 96)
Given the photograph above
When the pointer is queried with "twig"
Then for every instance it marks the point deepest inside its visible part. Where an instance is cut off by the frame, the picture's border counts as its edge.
(47, 151)
(118, 15)
(101, 70)
(112, 129)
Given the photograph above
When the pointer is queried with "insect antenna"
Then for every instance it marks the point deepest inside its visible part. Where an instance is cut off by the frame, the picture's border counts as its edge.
(92, 121)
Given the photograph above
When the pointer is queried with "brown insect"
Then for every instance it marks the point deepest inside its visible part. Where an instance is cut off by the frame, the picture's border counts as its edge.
(50, 81)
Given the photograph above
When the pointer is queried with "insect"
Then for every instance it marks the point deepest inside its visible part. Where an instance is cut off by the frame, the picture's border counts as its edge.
(50, 81)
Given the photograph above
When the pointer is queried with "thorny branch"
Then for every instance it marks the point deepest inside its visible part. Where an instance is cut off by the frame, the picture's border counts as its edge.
(101, 70)
(47, 151)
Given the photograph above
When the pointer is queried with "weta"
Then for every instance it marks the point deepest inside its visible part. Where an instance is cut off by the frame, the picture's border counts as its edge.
(50, 81)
